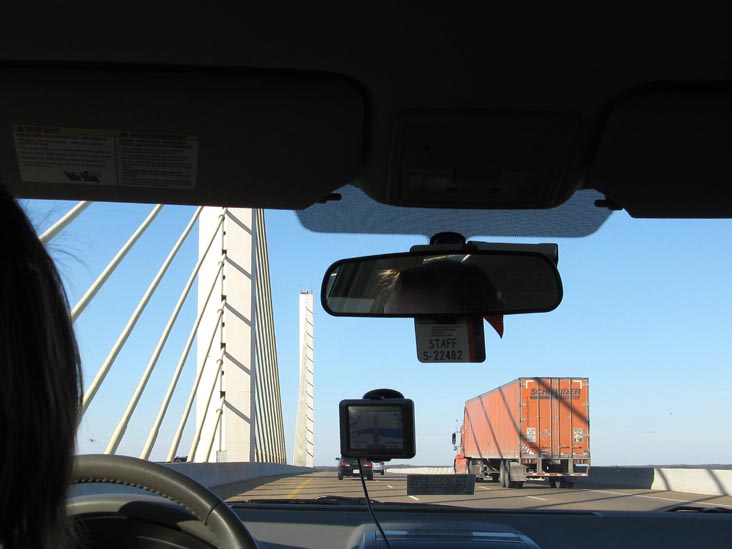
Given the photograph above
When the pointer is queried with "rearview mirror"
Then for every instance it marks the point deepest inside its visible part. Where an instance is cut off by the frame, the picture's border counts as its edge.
(432, 283)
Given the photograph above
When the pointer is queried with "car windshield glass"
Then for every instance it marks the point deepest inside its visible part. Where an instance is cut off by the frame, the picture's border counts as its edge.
(640, 344)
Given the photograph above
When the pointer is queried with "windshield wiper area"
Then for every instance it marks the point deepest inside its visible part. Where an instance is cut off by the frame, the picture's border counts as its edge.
(320, 500)
(697, 509)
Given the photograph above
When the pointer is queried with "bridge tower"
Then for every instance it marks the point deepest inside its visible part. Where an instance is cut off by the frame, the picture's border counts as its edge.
(304, 425)
(238, 402)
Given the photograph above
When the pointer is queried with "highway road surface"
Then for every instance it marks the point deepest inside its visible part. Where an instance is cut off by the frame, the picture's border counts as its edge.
(534, 495)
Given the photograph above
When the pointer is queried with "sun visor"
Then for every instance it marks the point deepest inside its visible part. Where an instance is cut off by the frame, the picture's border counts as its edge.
(668, 155)
(481, 159)
(178, 136)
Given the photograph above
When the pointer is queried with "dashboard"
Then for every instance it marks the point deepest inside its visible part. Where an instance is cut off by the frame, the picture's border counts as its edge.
(275, 526)
(132, 520)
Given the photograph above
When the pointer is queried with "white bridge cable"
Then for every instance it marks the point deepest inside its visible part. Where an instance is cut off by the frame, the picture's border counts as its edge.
(50, 233)
(269, 428)
(199, 427)
(124, 421)
(179, 368)
(219, 411)
(194, 390)
(136, 314)
(109, 269)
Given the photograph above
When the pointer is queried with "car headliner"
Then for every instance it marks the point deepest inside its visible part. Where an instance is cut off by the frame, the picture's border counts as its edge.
(648, 86)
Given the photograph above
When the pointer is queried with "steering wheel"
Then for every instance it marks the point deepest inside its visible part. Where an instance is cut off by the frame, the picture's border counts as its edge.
(206, 506)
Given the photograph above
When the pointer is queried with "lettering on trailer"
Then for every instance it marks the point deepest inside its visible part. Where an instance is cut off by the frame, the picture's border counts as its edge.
(561, 394)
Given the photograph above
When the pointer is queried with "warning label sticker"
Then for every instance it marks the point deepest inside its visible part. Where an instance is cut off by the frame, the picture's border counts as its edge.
(49, 154)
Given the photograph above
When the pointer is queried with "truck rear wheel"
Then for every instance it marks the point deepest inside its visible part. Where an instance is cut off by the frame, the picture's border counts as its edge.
(474, 468)
(504, 475)
(505, 478)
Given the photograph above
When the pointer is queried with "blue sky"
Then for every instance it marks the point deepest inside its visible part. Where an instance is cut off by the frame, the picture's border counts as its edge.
(646, 316)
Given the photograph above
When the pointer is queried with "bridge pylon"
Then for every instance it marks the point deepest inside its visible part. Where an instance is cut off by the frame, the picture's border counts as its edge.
(304, 425)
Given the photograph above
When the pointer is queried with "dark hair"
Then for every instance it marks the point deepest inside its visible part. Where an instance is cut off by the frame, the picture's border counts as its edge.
(40, 388)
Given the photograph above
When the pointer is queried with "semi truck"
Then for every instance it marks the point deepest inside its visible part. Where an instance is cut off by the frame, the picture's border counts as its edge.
(533, 428)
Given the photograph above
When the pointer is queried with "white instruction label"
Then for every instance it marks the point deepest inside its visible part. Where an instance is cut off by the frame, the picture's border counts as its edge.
(442, 342)
(49, 154)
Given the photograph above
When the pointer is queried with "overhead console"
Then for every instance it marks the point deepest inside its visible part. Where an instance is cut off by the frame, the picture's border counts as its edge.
(481, 159)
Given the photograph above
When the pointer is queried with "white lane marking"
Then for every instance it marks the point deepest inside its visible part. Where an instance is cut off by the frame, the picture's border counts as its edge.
(662, 499)
(534, 497)
(484, 488)
(415, 499)
(642, 496)
(665, 499)
(389, 486)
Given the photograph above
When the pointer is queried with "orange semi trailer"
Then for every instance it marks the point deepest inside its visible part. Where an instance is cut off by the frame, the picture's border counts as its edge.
(530, 428)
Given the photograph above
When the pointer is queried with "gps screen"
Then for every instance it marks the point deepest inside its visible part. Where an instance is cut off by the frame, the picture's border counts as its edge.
(376, 428)
(381, 428)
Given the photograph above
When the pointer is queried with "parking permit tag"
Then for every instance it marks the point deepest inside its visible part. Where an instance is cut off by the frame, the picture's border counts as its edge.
(460, 340)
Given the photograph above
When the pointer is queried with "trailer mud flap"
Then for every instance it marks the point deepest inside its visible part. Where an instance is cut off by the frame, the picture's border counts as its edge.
(516, 472)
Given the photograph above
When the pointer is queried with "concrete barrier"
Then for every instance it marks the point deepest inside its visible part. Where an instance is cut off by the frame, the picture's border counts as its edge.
(716, 482)
(229, 479)
(617, 477)
(214, 474)
(224, 479)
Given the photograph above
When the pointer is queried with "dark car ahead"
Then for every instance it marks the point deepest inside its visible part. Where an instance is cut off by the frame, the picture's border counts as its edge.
(348, 467)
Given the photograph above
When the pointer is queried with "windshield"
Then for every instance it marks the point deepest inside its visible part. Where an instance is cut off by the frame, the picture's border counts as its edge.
(644, 322)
